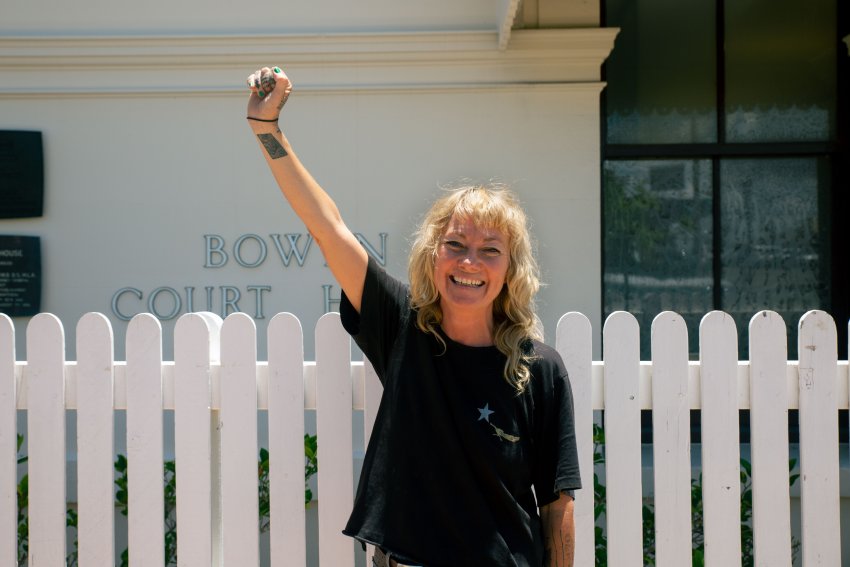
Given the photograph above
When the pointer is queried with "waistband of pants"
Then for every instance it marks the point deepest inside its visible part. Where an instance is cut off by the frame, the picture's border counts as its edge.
(384, 559)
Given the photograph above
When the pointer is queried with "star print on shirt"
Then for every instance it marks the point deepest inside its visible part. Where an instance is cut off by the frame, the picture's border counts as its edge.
(485, 413)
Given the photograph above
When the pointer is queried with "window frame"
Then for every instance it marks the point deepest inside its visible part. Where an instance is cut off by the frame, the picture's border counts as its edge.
(837, 152)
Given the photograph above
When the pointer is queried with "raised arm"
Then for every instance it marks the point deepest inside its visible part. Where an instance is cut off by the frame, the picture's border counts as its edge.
(346, 258)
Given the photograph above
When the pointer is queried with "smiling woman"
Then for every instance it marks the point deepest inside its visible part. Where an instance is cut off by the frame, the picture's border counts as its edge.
(463, 336)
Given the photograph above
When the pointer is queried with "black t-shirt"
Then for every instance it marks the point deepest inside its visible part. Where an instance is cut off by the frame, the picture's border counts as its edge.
(455, 452)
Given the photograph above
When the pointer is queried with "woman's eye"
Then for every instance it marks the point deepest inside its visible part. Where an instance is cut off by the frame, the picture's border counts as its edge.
(492, 251)
(453, 244)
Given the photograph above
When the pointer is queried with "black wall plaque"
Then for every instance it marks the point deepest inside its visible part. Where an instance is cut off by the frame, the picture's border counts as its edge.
(20, 275)
(21, 174)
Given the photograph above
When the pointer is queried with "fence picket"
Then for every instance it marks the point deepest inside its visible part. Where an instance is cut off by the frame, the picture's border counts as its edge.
(769, 440)
(333, 427)
(371, 402)
(95, 441)
(621, 344)
(671, 440)
(8, 444)
(372, 397)
(145, 499)
(819, 440)
(238, 426)
(573, 341)
(196, 340)
(46, 429)
(287, 527)
(721, 457)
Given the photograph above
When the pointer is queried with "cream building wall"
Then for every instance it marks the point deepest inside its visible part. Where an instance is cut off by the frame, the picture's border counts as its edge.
(149, 165)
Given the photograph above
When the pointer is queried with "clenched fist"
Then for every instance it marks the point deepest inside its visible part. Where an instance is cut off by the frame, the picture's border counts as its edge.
(269, 90)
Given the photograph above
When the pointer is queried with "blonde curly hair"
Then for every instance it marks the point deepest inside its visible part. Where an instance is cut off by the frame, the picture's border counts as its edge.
(515, 319)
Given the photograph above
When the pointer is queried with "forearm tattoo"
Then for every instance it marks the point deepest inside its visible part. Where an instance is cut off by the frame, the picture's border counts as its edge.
(283, 100)
(559, 544)
(273, 147)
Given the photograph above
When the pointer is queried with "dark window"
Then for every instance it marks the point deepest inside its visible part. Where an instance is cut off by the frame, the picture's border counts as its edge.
(725, 161)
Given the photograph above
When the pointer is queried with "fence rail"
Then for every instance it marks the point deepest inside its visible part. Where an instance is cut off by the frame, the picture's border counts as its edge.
(216, 387)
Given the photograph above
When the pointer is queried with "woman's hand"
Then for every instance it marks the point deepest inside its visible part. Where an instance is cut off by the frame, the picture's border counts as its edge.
(269, 90)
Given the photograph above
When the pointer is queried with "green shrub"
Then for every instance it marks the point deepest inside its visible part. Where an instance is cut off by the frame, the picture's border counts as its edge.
(698, 543)
(311, 466)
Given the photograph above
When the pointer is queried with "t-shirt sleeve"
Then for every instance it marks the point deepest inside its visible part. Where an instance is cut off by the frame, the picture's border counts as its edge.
(383, 307)
(557, 468)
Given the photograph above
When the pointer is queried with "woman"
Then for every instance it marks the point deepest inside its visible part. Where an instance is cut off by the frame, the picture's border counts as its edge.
(472, 459)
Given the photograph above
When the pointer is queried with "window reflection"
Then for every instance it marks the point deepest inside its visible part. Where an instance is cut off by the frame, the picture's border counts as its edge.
(773, 239)
(658, 241)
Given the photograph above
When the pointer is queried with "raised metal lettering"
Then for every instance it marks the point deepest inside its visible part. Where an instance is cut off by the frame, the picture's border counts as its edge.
(380, 257)
(258, 290)
(190, 299)
(228, 300)
(237, 251)
(117, 296)
(326, 290)
(178, 303)
(285, 256)
(211, 249)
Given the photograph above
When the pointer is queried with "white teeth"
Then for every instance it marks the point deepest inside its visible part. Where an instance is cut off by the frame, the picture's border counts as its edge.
(466, 282)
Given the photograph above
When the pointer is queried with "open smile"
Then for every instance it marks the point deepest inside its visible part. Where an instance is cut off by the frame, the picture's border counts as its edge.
(466, 282)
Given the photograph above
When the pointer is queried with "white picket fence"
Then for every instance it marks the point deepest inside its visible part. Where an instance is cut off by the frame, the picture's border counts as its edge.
(216, 386)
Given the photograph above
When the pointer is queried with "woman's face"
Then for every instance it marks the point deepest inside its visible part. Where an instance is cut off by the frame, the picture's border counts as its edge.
(470, 267)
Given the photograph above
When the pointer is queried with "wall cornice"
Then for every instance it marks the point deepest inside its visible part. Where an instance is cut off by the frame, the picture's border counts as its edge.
(151, 64)
(506, 21)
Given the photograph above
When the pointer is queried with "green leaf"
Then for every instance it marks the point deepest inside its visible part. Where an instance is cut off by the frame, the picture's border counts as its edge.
(21, 458)
(71, 518)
